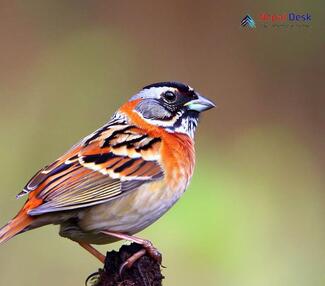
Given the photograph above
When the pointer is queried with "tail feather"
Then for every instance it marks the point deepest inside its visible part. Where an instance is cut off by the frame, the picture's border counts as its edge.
(15, 226)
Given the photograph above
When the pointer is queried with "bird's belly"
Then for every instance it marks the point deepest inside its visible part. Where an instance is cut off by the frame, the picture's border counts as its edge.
(132, 212)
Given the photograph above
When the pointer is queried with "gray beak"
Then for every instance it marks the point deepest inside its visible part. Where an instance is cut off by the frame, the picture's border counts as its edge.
(200, 104)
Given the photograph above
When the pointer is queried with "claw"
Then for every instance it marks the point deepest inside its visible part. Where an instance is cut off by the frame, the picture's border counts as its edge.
(131, 260)
(122, 267)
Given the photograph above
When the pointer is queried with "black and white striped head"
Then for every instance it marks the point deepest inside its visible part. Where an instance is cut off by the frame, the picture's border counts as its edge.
(172, 105)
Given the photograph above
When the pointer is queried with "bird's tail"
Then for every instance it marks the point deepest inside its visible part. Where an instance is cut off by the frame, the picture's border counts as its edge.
(17, 225)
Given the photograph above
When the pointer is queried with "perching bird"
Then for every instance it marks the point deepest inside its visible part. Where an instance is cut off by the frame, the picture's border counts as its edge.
(121, 178)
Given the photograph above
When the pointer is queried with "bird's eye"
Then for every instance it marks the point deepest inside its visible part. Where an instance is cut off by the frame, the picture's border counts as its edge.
(169, 97)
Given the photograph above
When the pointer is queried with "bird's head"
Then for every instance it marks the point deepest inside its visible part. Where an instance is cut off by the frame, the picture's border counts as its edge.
(173, 106)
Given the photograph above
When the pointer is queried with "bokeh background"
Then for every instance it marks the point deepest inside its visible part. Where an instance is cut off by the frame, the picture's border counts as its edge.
(254, 213)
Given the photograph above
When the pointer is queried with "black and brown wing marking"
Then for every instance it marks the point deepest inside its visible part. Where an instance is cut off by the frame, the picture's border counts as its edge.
(114, 160)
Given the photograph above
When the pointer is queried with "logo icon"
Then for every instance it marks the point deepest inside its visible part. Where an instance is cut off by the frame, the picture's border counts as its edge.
(248, 21)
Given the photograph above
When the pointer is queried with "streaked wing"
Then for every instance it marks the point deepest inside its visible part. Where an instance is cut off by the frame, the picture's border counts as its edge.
(109, 163)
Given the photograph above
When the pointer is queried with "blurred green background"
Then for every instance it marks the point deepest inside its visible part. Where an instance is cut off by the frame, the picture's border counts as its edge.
(254, 213)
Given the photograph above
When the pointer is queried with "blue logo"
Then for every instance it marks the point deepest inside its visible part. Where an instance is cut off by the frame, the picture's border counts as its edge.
(248, 21)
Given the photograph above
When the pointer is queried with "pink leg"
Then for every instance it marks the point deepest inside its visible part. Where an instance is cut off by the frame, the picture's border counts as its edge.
(93, 251)
(147, 245)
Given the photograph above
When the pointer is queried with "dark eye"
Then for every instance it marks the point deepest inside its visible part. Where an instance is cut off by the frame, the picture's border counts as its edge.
(169, 97)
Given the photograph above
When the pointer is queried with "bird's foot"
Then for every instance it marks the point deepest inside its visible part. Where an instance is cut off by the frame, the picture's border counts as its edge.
(147, 248)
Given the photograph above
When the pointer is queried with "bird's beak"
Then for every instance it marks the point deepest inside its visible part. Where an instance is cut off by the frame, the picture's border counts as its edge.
(200, 104)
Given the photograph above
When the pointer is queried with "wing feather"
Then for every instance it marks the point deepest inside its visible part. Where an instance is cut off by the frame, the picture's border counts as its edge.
(109, 163)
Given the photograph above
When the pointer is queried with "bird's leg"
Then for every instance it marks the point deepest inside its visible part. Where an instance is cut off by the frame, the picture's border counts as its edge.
(93, 251)
(147, 245)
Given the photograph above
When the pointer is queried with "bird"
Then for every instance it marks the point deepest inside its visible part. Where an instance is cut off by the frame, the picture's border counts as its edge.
(121, 178)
